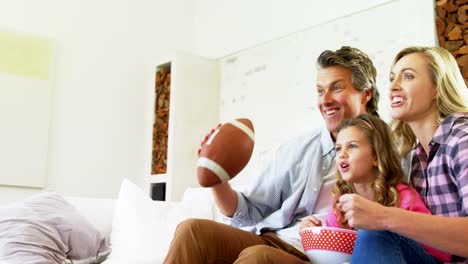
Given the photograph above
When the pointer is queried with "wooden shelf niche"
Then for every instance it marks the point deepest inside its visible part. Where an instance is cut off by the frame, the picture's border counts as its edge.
(161, 119)
(452, 29)
(184, 104)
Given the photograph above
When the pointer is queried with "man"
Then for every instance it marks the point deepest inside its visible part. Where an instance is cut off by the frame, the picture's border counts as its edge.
(295, 186)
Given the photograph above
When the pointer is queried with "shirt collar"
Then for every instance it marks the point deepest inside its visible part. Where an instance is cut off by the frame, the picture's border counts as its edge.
(444, 130)
(328, 146)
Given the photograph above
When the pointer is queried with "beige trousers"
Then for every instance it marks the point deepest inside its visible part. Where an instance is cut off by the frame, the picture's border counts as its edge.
(206, 241)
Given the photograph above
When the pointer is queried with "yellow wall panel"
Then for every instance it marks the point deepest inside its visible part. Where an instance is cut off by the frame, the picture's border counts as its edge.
(26, 56)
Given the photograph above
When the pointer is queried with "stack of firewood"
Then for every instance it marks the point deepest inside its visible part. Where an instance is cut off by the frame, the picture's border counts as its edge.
(161, 121)
(452, 29)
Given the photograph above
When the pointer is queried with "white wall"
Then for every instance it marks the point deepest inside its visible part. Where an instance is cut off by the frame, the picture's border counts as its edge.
(106, 52)
(273, 84)
(223, 27)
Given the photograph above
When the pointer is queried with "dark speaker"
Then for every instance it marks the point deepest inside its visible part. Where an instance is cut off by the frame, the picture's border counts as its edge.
(158, 191)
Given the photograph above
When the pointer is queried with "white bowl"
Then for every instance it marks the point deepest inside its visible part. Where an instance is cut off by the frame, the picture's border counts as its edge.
(328, 244)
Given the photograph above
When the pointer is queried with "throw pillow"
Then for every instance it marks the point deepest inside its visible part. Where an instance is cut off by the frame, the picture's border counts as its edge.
(47, 229)
(142, 229)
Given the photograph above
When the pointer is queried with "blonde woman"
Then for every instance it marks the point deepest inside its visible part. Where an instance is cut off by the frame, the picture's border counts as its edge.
(429, 105)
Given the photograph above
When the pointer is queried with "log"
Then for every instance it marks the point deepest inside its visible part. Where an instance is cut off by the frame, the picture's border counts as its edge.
(452, 30)
(450, 6)
(158, 79)
(453, 45)
(161, 121)
(465, 72)
(441, 2)
(455, 33)
(452, 17)
(463, 50)
(449, 27)
(167, 81)
(463, 61)
(441, 41)
(440, 23)
(462, 14)
(441, 12)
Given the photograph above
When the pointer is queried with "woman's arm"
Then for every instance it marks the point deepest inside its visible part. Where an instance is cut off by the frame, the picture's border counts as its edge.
(444, 233)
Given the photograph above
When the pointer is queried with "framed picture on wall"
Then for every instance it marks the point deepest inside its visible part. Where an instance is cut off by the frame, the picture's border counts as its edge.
(26, 64)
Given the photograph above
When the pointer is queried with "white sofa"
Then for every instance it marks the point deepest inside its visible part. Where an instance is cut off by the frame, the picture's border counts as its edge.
(140, 230)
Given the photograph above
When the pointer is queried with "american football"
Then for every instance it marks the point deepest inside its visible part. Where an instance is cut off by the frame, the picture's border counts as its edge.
(226, 152)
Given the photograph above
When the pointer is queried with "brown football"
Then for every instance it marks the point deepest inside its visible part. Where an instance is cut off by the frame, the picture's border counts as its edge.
(226, 152)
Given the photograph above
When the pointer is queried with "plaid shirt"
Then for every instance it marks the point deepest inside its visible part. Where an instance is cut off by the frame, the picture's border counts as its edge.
(442, 177)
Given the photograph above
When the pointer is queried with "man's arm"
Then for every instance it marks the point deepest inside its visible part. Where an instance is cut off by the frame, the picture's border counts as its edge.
(226, 198)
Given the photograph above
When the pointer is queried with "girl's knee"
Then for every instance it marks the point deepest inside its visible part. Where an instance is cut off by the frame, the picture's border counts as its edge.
(374, 235)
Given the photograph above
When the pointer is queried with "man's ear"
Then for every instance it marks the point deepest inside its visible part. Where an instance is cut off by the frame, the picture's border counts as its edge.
(367, 96)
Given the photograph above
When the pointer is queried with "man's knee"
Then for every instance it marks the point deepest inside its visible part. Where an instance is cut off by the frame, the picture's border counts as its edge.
(256, 254)
(190, 225)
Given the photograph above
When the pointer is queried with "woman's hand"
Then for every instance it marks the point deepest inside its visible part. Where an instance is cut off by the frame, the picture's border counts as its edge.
(362, 213)
(309, 221)
(206, 137)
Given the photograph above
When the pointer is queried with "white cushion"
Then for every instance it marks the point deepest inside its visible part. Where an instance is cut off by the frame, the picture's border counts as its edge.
(98, 211)
(142, 229)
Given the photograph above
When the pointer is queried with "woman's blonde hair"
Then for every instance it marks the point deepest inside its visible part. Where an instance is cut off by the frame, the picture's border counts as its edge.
(389, 171)
(451, 88)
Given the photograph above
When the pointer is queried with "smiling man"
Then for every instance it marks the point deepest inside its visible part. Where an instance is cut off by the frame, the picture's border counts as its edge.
(345, 87)
(294, 188)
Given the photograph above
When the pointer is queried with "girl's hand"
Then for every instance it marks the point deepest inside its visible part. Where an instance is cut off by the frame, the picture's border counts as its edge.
(362, 213)
(309, 221)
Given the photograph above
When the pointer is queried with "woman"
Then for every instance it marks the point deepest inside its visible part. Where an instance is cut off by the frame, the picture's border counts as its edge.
(429, 105)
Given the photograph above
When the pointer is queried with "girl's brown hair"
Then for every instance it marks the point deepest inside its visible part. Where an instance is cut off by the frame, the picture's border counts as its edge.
(389, 171)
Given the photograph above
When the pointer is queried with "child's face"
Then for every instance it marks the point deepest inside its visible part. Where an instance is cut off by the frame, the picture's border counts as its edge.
(354, 156)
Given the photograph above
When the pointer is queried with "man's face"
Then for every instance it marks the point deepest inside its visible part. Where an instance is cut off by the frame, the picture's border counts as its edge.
(338, 99)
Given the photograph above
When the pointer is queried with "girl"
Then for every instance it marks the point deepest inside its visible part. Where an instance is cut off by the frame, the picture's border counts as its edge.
(368, 164)
(429, 105)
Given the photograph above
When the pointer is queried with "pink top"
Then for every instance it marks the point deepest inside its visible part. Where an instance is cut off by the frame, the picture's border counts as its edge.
(411, 201)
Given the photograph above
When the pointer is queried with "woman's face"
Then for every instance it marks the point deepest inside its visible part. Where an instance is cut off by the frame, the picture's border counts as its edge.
(412, 92)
